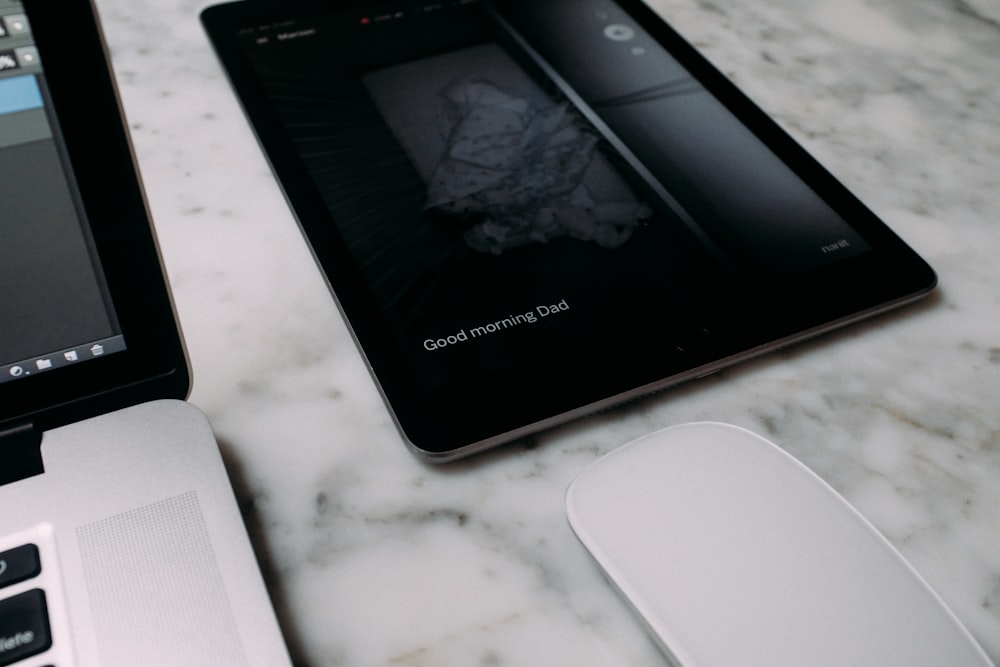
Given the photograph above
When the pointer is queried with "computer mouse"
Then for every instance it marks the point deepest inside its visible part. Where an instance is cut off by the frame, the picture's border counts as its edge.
(734, 553)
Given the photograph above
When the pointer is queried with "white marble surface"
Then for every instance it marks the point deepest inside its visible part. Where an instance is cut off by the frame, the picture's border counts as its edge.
(376, 559)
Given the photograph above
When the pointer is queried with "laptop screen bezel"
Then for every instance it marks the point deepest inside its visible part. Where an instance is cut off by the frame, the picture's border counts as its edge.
(85, 103)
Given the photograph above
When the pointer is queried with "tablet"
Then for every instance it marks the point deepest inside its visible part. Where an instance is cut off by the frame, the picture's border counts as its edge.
(531, 210)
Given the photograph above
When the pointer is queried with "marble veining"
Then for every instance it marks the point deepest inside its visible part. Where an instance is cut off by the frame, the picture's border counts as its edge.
(374, 558)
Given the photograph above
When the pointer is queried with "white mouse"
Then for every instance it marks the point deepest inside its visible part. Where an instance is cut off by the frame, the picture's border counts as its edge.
(734, 553)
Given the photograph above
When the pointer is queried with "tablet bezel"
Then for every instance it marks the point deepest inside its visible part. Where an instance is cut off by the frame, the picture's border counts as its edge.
(771, 313)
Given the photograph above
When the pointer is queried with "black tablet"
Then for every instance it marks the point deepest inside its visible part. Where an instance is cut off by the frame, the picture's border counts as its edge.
(530, 210)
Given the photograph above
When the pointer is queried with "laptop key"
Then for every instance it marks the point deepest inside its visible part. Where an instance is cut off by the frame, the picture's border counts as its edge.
(24, 626)
(19, 564)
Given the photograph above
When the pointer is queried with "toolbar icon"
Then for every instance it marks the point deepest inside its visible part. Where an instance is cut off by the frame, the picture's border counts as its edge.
(26, 56)
(16, 24)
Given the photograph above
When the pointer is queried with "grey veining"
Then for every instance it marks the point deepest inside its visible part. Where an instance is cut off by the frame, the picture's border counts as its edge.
(376, 559)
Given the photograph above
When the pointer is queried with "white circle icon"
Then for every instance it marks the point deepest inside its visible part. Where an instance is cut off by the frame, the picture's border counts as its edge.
(617, 32)
(16, 371)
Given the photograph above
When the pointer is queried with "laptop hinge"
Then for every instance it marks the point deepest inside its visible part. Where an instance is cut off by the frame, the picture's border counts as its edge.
(20, 453)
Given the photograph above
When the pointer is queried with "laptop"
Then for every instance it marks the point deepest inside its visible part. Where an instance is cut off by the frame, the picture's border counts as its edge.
(121, 543)
(532, 210)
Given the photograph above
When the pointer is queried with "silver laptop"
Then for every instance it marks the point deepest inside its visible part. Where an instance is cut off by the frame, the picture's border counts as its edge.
(120, 540)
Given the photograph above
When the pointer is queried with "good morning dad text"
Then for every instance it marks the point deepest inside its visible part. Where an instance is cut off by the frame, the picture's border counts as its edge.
(465, 335)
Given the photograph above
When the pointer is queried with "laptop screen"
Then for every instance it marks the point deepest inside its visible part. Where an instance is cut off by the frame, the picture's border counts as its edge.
(86, 320)
(55, 306)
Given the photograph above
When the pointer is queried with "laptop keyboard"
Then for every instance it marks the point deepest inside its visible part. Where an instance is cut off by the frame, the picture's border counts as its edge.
(28, 584)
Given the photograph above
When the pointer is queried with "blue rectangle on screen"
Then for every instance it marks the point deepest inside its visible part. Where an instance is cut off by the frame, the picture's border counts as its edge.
(19, 93)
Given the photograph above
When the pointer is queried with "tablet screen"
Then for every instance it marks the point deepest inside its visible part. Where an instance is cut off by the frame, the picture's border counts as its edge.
(532, 209)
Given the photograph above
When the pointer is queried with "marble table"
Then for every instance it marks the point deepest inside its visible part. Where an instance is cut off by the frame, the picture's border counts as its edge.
(373, 558)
